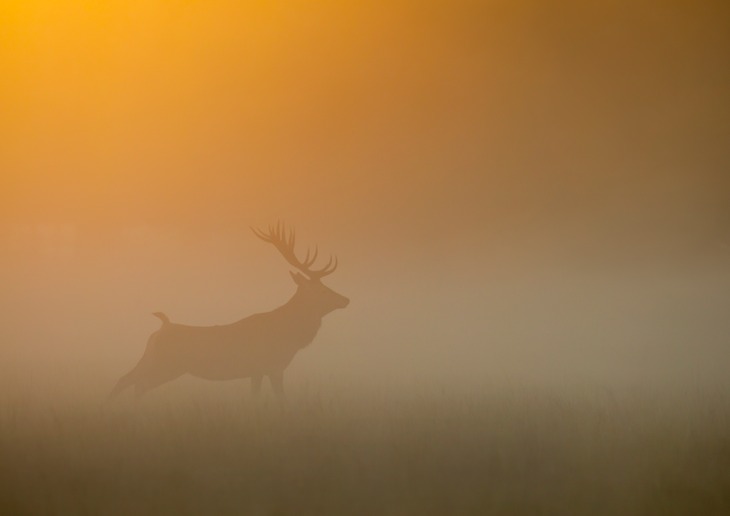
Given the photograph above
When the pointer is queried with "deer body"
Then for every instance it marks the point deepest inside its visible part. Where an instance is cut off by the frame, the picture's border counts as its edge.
(259, 345)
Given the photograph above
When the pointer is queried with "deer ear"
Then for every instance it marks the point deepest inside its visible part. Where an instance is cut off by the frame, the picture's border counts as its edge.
(298, 278)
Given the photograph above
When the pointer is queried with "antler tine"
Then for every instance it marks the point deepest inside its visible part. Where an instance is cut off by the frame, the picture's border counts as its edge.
(333, 268)
(309, 262)
(260, 234)
(284, 239)
(326, 270)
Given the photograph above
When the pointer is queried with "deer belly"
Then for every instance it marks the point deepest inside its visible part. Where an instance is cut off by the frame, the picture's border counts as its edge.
(238, 362)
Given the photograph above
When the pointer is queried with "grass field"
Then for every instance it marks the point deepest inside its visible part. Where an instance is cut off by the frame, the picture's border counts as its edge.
(518, 451)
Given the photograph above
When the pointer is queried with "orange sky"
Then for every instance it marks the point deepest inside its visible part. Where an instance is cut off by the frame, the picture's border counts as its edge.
(383, 117)
(477, 166)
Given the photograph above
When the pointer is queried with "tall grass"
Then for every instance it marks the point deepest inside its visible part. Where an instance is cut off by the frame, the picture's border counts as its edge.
(517, 452)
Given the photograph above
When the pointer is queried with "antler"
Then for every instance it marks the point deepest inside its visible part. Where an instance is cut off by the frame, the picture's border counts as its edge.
(283, 240)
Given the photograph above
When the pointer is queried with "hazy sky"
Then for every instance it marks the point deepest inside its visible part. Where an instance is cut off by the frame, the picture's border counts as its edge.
(425, 142)
(466, 114)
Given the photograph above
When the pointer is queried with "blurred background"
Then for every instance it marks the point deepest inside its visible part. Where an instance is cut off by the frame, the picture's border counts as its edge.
(519, 191)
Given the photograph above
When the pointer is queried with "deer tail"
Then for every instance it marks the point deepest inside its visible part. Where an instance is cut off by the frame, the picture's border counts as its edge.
(162, 317)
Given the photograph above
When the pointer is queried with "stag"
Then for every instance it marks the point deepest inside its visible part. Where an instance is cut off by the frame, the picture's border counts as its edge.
(262, 344)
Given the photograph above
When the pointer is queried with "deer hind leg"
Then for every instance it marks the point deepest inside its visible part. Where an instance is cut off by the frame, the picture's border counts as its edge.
(125, 381)
(138, 371)
(143, 381)
(152, 380)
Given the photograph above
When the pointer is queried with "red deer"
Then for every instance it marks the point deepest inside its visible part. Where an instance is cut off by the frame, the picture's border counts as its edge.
(259, 345)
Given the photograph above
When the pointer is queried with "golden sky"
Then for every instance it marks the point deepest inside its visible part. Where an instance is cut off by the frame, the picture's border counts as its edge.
(467, 160)
(389, 117)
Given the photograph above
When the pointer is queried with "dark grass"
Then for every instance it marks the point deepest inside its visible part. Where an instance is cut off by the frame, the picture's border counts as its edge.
(520, 453)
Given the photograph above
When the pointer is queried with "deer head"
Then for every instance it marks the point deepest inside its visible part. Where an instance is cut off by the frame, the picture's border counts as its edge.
(310, 288)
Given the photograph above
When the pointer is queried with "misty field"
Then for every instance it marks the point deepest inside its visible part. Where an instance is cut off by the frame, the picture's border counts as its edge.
(511, 451)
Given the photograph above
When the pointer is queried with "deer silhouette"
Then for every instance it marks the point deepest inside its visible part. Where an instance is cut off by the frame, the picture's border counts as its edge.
(260, 345)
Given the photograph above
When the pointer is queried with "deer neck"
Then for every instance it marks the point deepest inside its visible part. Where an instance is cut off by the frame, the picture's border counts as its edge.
(302, 307)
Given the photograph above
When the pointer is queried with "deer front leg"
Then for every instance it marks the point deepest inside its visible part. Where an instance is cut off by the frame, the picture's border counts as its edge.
(277, 384)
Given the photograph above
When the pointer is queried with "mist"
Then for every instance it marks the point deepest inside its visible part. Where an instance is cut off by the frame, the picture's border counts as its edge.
(522, 196)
